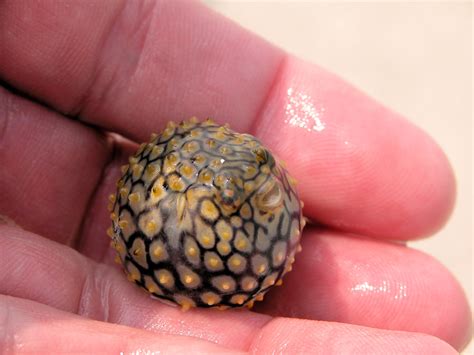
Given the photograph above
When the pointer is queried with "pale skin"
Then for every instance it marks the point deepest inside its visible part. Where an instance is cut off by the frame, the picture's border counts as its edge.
(369, 178)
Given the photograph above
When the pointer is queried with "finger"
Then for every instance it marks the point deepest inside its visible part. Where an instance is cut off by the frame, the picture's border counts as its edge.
(335, 278)
(362, 167)
(37, 328)
(125, 43)
(381, 285)
(31, 327)
(50, 168)
(53, 274)
(295, 336)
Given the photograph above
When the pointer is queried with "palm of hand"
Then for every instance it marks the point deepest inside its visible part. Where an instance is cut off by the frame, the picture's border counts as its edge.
(367, 172)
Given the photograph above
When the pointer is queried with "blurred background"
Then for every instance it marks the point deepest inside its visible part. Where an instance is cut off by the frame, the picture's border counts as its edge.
(424, 52)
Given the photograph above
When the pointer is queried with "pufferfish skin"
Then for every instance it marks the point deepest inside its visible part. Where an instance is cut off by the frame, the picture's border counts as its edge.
(205, 217)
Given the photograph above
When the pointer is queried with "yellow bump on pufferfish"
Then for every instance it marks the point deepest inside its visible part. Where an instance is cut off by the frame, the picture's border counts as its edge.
(259, 297)
(157, 191)
(132, 160)
(191, 251)
(219, 180)
(150, 170)
(249, 186)
(113, 216)
(238, 299)
(211, 143)
(187, 170)
(195, 133)
(293, 182)
(153, 136)
(112, 198)
(134, 197)
(250, 304)
(241, 244)
(133, 276)
(219, 135)
(117, 259)
(209, 210)
(165, 278)
(303, 222)
(193, 120)
(151, 227)
(190, 147)
(226, 235)
(171, 124)
(110, 232)
(123, 192)
(265, 169)
(206, 177)
(210, 298)
(152, 288)
(175, 183)
(279, 282)
(206, 240)
(199, 159)
(118, 247)
(155, 151)
(279, 257)
(124, 168)
(223, 248)
(172, 158)
(123, 224)
(140, 148)
(185, 303)
(158, 251)
(180, 207)
(249, 284)
(138, 251)
(188, 279)
(235, 262)
(261, 268)
(216, 163)
(213, 262)
(137, 170)
(238, 139)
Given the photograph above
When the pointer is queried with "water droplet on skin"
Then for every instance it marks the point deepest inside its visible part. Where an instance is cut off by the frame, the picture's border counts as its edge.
(396, 290)
(300, 111)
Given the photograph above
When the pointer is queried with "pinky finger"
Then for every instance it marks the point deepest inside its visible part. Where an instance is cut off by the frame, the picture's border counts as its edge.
(31, 327)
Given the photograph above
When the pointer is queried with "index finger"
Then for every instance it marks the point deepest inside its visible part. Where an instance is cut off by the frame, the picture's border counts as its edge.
(129, 67)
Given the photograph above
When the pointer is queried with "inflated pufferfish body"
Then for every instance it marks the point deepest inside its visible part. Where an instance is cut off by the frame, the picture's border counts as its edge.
(204, 216)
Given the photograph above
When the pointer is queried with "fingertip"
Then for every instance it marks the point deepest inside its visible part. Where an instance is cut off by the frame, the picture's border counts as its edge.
(346, 279)
(363, 168)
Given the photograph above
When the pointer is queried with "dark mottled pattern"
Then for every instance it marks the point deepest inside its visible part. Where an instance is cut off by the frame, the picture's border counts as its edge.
(179, 191)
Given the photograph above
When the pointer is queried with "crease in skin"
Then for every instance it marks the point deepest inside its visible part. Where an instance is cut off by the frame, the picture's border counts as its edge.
(302, 111)
(398, 290)
(7, 221)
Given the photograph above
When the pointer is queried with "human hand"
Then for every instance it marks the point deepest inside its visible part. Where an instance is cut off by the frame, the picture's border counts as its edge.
(130, 67)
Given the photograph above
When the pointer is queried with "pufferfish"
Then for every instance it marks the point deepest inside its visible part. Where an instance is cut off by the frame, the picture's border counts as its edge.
(204, 216)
